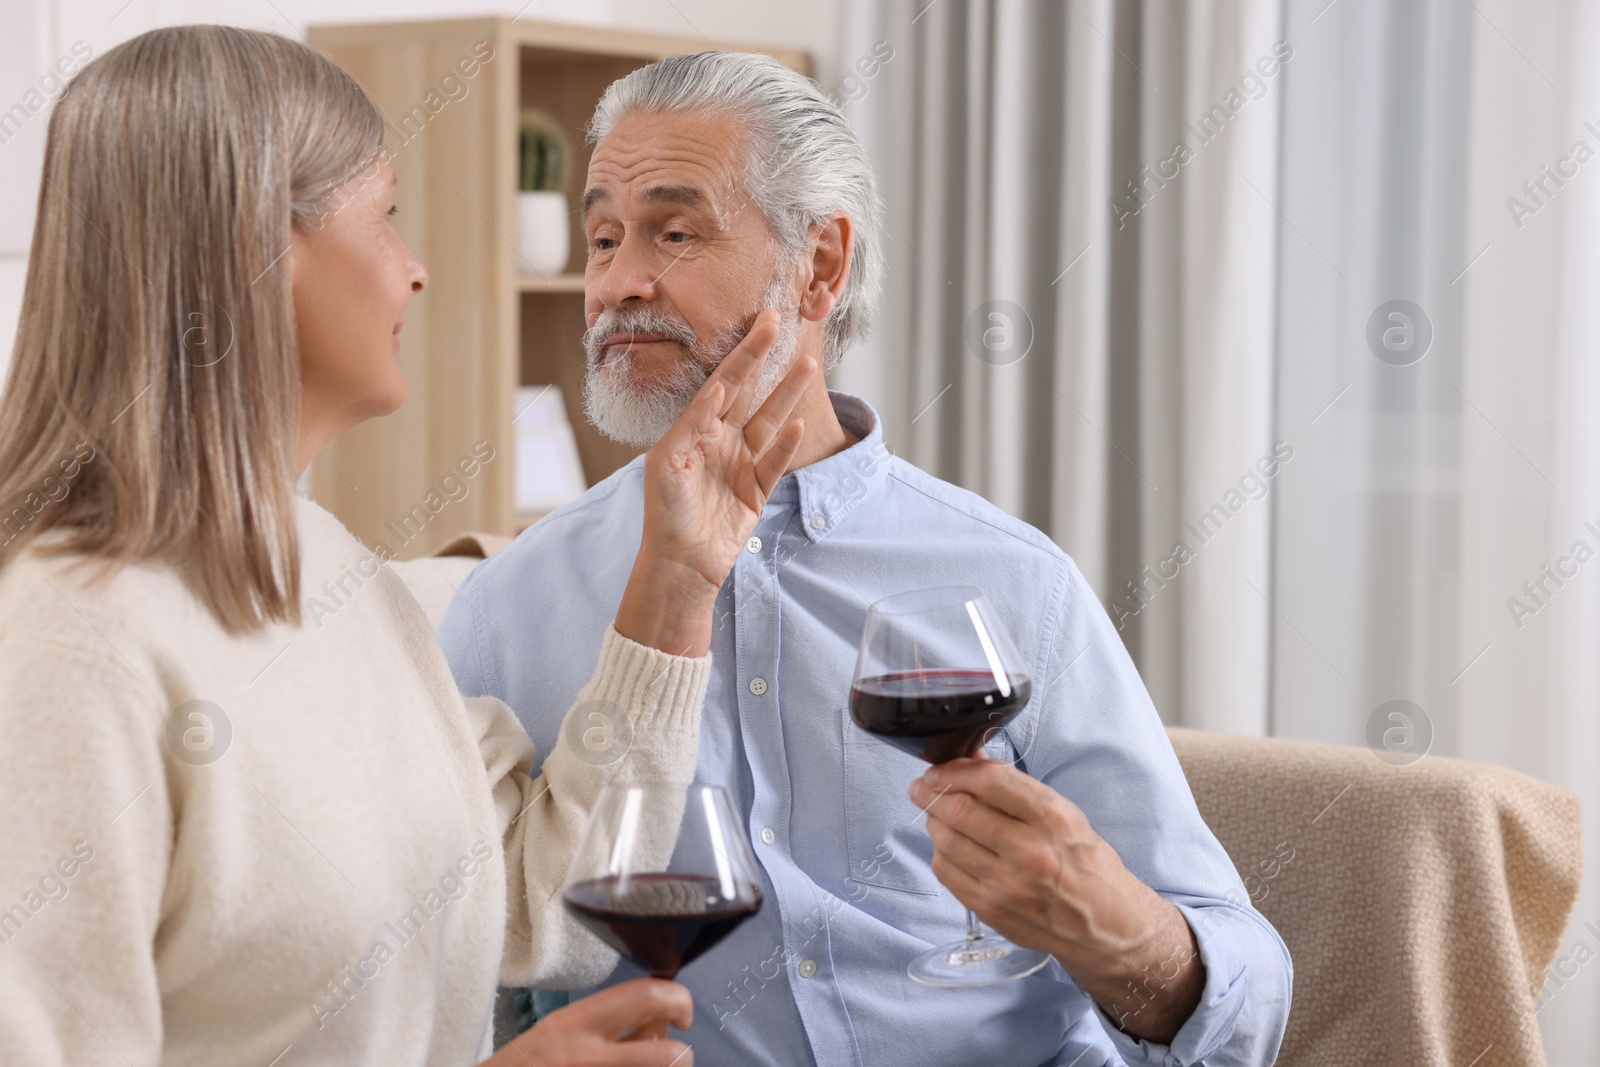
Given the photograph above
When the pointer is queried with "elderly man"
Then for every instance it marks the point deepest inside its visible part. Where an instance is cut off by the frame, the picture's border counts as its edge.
(722, 184)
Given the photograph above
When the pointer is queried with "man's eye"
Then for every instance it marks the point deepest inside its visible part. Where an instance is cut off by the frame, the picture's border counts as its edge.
(603, 243)
(394, 210)
(677, 236)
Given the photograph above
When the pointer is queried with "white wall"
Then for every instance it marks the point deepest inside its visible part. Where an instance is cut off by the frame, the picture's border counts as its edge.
(34, 33)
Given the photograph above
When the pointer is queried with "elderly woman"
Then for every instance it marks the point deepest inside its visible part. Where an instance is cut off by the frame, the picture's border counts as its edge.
(235, 834)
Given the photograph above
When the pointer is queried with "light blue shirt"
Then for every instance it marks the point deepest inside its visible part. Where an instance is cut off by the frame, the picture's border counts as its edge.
(818, 976)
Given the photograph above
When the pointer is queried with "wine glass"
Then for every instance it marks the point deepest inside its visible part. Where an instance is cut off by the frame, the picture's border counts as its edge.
(662, 873)
(938, 674)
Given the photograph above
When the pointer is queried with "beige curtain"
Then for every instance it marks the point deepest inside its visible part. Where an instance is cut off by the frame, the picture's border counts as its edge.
(1009, 138)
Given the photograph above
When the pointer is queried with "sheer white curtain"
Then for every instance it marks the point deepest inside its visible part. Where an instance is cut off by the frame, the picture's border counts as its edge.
(1026, 153)
(1439, 460)
(1532, 364)
(1433, 485)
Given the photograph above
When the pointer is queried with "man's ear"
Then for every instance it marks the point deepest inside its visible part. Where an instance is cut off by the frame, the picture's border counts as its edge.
(832, 250)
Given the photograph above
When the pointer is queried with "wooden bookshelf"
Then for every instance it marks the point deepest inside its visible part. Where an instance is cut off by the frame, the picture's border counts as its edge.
(483, 327)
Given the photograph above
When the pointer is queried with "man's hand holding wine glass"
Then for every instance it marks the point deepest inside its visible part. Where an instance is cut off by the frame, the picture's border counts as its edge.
(1026, 860)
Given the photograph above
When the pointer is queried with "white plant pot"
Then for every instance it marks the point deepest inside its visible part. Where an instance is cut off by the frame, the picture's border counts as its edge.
(543, 241)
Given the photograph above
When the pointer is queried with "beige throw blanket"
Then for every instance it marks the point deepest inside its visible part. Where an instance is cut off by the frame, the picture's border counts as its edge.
(1421, 904)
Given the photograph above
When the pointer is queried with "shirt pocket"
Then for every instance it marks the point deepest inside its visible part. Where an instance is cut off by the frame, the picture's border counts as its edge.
(886, 835)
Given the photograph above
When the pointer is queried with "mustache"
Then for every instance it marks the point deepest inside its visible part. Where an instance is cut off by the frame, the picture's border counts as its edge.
(637, 320)
(705, 354)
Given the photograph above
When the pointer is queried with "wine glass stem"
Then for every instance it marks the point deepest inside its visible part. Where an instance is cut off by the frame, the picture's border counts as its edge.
(974, 930)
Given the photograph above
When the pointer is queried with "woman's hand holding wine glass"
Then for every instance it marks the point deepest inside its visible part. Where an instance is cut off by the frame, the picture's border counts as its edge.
(617, 1027)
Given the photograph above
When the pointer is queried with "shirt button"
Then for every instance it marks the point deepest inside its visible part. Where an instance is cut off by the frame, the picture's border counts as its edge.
(767, 836)
(758, 685)
(808, 968)
(753, 545)
(818, 522)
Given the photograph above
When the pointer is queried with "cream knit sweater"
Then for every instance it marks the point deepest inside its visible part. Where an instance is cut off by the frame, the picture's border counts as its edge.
(323, 864)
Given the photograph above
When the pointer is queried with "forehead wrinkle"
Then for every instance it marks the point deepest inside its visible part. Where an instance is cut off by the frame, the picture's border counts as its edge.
(646, 166)
(627, 156)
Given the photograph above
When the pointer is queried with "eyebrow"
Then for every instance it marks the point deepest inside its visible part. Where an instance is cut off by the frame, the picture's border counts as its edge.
(685, 195)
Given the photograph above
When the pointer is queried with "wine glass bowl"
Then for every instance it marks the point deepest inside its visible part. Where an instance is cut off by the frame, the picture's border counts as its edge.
(937, 715)
(662, 873)
(936, 676)
(937, 673)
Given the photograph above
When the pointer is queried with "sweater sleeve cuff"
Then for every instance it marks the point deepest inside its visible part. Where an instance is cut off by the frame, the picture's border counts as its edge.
(659, 694)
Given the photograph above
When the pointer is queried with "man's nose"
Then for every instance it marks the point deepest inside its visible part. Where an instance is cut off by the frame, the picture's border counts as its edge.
(633, 273)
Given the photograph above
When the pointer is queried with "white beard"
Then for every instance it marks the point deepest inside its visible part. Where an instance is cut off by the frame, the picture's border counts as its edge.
(640, 415)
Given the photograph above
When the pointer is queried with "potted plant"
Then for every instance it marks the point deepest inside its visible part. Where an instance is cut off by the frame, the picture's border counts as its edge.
(542, 218)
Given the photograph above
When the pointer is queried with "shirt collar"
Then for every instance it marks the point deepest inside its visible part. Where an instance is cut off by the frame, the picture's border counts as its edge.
(831, 488)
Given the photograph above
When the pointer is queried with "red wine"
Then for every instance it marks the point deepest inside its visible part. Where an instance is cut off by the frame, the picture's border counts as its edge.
(936, 715)
(660, 922)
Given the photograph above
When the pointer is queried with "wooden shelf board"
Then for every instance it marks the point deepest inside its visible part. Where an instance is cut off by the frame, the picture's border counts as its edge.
(573, 39)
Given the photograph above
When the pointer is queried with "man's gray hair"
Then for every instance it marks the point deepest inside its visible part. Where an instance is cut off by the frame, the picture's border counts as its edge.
(805, 162)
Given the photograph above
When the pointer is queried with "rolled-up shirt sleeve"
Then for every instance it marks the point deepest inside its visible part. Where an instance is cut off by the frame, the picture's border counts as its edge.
(1094, 735)
(1235, 942)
